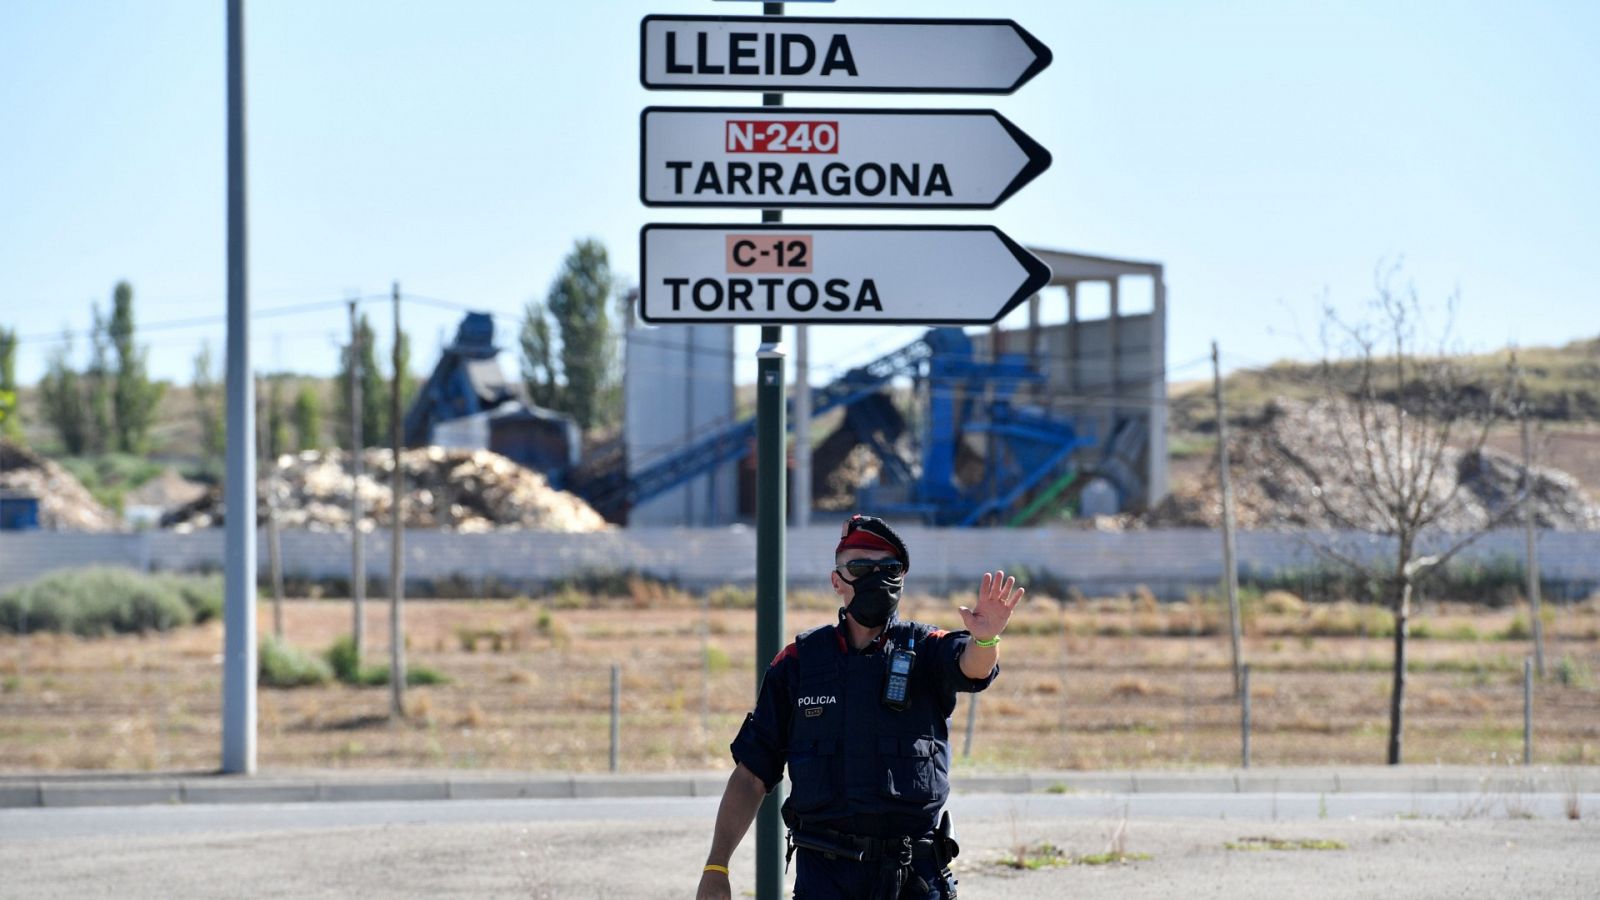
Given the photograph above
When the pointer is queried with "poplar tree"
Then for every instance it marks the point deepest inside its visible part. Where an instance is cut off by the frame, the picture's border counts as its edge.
(61, 399)
(10, 412)
(374, 391)
(134, 396)
(307, 419)
(277, 420)
(100, 425)
(577, 310)
(538, 357)
(208, 408)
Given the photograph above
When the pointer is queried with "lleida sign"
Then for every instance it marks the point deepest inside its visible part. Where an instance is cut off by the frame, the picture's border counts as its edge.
(758, 53)
(833, 274)
(882, 158)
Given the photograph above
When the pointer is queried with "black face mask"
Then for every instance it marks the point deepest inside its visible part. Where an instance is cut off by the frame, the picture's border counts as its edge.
(877, 596)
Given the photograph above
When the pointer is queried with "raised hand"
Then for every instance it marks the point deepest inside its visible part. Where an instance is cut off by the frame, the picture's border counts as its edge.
(997, 597)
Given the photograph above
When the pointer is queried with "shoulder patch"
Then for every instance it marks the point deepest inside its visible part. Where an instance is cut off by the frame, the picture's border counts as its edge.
(789, 652)
(937, 633)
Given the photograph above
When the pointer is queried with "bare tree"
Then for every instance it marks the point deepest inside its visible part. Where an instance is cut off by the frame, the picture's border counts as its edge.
(1409, 422)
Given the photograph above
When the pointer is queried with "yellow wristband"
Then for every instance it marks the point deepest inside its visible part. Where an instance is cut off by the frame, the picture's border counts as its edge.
(713, 867)
(989, 643)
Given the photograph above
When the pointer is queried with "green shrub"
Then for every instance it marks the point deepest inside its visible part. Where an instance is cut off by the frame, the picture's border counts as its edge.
(416, 676)
(97, 601)
(342, 660)
(202, 593)
(282, 665)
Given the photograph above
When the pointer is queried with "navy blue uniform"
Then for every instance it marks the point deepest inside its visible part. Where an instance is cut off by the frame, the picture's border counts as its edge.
(857, 766)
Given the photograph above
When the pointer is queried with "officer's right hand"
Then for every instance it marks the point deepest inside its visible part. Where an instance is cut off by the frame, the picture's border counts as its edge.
(714, 886)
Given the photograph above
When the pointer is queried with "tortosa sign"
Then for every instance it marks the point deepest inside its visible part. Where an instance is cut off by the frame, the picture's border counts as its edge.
(927, 159)
(975, 56)
(834, 274)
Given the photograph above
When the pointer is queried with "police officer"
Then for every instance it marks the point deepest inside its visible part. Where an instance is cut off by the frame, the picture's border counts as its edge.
(860, 713)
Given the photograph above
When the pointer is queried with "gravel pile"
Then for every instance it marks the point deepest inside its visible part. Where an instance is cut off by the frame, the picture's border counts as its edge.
(453, 490)
(1292, 471)
(64, 503)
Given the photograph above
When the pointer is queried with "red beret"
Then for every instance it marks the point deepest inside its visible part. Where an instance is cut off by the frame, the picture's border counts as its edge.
(872, 533)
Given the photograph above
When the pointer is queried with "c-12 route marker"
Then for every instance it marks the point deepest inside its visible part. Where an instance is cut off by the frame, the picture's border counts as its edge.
(883, 158)
(833, 274)
(946, 56)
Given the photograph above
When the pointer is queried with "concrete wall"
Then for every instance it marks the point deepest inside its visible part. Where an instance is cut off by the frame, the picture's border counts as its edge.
(1170, 562)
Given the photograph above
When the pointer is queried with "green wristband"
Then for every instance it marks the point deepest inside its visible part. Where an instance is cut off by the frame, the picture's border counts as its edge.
(989, 643)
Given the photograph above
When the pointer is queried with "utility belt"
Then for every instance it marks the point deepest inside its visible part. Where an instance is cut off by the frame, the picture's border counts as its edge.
(893, 855)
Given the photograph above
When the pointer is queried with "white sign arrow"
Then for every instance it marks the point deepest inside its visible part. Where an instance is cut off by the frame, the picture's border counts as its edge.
(757, 53)
(889, 158)
(833, 274)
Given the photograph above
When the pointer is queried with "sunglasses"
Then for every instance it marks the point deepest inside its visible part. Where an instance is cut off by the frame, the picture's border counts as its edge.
(861, 568)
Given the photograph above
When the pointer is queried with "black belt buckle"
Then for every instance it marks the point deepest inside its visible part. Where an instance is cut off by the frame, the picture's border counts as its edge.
(906, 852)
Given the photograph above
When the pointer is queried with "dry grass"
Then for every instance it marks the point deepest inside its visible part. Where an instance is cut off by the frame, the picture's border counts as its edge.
(538, 699)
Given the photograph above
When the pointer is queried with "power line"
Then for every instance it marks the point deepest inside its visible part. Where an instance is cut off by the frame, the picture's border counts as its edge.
(201, 321)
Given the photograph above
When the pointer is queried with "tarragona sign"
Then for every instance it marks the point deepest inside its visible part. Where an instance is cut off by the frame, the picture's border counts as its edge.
(816, 157)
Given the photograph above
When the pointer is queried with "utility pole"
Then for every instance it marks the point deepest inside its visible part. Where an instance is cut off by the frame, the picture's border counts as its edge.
(771, 470)
(239, 496)
(358, 550)
(397, 533)
(1230, 569)
(1531, 564)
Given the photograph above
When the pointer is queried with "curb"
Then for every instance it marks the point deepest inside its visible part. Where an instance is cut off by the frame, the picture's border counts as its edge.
(83, 790)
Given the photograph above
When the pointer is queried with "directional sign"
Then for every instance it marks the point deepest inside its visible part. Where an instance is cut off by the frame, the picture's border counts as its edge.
(758, 53)
(912, 159)
(833, 274)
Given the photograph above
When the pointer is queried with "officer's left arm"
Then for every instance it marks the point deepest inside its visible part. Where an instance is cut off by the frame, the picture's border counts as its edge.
(997, 597)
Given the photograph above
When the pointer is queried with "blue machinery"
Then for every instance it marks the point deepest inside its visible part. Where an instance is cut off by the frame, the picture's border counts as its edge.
(1028, 452)
(467, 401)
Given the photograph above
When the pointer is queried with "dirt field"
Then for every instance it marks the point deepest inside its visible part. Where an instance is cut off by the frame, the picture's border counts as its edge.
(1098, 684)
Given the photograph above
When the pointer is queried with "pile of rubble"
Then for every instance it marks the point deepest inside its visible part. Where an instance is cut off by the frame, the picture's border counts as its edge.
(452, 490)
(64, 503)
(1302, 466)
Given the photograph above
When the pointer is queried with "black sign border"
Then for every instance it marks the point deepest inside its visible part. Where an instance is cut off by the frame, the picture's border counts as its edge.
(1039, 159)
(1042, 57)
(1039, 274)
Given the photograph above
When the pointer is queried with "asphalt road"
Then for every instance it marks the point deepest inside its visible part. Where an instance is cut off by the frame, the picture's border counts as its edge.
(1396, 845)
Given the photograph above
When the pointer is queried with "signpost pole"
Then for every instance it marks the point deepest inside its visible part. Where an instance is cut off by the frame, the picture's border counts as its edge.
(770, 562)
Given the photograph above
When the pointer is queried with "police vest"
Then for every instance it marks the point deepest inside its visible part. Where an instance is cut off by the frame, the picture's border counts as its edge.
(854, 762)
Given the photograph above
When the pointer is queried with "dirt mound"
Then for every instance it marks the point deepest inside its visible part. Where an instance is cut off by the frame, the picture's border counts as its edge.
(64, 503)
(165, 491)
(454, 490)
(1285, 475)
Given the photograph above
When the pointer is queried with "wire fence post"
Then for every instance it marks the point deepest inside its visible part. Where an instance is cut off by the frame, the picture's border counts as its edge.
(705, 664)
(972, 720)
(1527, 710)
(1244, 715)
(616, 711)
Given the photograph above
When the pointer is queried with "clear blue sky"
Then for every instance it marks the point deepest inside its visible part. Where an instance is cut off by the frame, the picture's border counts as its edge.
(1266, 152)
